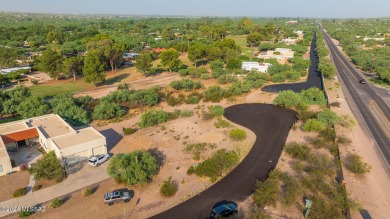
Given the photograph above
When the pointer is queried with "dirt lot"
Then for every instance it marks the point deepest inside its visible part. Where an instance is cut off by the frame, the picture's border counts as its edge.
(9, 184)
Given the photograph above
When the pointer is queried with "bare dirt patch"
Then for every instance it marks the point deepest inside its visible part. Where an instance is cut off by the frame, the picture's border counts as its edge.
(10, 183)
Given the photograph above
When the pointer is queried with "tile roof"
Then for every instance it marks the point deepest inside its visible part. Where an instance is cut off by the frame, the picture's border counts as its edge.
(21, 135)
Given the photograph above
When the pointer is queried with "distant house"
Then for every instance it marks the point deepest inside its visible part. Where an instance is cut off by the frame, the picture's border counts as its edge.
(291, 22)
(130, 55)
(374, 38)
(278, 53)
(289, 41)
(248, 66)
(158, 38)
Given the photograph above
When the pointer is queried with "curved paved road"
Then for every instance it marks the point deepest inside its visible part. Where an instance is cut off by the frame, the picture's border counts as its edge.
(313, 78)
(271, 125)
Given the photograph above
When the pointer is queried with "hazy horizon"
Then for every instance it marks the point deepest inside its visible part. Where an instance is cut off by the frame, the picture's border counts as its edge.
(201, 8)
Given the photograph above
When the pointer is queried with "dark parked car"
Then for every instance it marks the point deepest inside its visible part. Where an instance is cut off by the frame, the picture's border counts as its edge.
(117, 196)
(362, 81)
(224, 209)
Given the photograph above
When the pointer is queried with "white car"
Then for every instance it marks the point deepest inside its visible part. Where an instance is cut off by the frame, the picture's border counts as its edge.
(97, 160)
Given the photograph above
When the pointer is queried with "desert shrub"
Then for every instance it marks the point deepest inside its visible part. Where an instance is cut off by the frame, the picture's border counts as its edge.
(87, 192)
(123, 86)
(37, 187)
(56, 203)
(194, 98)
(168, 188)
(193, 73)
(191, 170)
(173, 101)
(129, 131)
(237, 134)
(222, 123)
(238, 88)
(342, 139)
(256, 79)
(335, 104)
(355, 164)
(175, 114)
(153, 117)
(292, 75)
(217, 165)
(219, 72)
(226, 78)
(313, 96)
(217, 64)
(328, 134)
(320, 165)
(196, 150)
(278, 78)
(313, 125)
(297, 150)
(107, 110)
(291, 189)
(217, 110)
(298, 166)
(19, 192)
(287, 99)
(183, 72)
(135, 168)
(186, 113)
(205, 76)
(304, 115)
(328, 117)
(214, 94)
(25, 213)
(186, 84)
(346, 121)
(267, 192)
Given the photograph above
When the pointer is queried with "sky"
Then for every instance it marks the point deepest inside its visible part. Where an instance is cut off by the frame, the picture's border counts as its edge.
(225, 8)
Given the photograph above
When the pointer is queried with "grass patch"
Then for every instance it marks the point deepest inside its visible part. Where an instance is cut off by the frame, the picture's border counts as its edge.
(297, 150)
(196, 150)
(222, 123)
(237, 134)
(54, 89)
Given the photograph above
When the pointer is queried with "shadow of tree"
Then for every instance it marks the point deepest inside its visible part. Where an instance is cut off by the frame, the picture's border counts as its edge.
(160, 157)
(117, 78)
(155, 71)
(74, 168)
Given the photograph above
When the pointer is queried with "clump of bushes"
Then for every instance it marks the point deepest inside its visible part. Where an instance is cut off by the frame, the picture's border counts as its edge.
(25, 213)
(168, 188)
(214, 94)
(153, 117)
(214, 111)
(222, 123)
(267, 192)
(194, 98)
(297, 150)
(214, 167)
(313, 125)
(19, 192)
(87, 192)
(186, 84)
(328, 117)
(355, 164)
(237, 134)
(196, 150)
(129, 131)
(186, 113)
(56, 203)
(37, 187)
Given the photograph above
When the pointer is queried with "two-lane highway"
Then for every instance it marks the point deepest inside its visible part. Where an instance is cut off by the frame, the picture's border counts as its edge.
(374, 111)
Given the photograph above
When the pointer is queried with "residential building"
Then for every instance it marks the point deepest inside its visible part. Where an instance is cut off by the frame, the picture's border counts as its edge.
(263, 67)
(52, 133)
(278, 53)
(9, 70)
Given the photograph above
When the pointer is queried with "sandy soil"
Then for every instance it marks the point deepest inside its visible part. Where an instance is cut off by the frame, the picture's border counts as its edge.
(9, 184)
(371, 190)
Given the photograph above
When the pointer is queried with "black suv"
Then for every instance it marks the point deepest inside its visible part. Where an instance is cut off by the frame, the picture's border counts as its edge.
(117, 196)
(224, 209)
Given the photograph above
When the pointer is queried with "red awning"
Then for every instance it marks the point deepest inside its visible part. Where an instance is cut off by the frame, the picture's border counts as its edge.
(19, 136)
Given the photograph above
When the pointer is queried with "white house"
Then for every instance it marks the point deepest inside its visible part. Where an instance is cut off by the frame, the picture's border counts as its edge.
(281, 53)
(255, 65)
(9, 70)
(52, 133)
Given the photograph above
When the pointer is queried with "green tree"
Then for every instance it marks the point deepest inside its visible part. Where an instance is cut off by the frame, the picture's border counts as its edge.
(93, 69)
(327, 69)
(32, 107)
(67, 107)
(288, 99)
(144, 63)
(51, 62)
(170, 58)
(73, 66)
(214, 94)
(107, 110)
(313, 96)
(8, 57)
(254, 39)
(214, 53)
(233, 64)
(197, 52)
(135, 168)
(115, 54)
(48, 167)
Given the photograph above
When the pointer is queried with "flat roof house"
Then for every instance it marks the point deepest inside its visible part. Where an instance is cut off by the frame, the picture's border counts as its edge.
(255, 65)
(53, 134)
